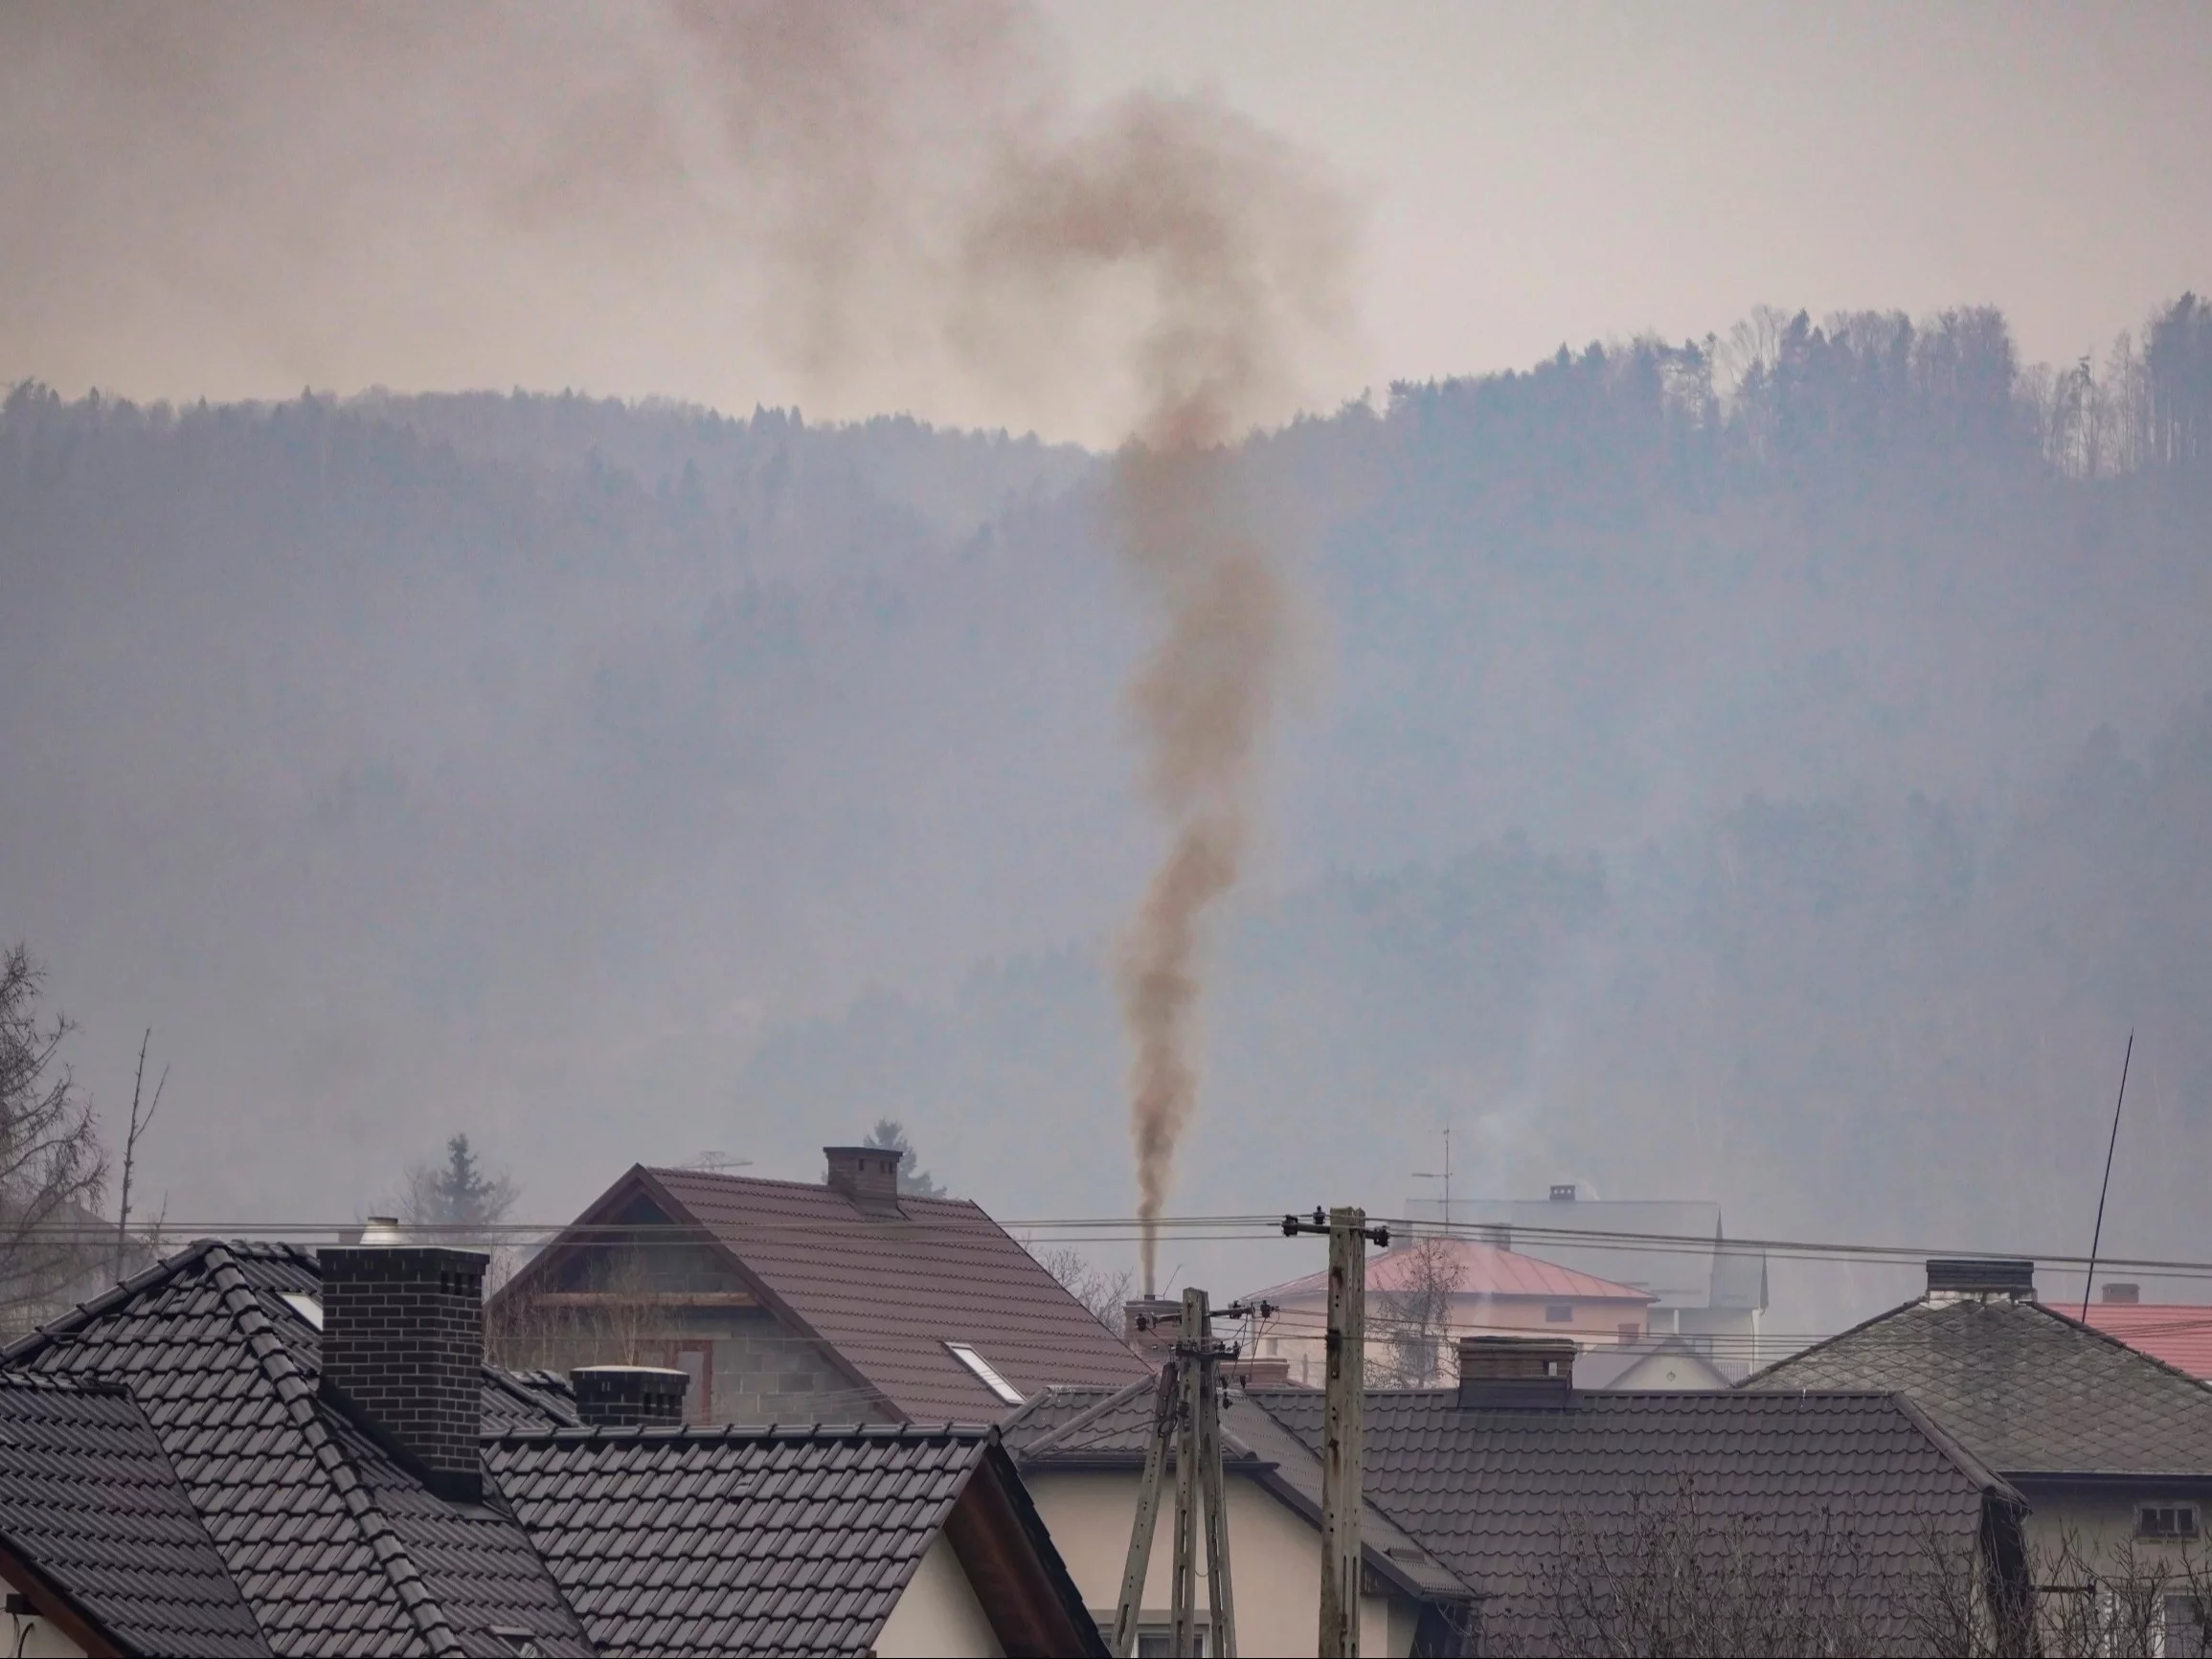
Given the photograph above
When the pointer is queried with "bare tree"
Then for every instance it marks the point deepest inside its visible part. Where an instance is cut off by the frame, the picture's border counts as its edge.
(1103, 1292)
(1411, 1325)
(53, 1169)
(140, 1123)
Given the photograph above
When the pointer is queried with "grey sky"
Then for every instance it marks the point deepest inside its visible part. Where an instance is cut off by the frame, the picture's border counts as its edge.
(1552, 172)
(365, 204)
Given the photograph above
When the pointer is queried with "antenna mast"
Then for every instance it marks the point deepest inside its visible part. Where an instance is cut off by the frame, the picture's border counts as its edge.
(2098, 1236)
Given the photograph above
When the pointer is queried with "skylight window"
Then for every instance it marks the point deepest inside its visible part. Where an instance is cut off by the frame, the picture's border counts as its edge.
(305, 1306)
(985, 1373)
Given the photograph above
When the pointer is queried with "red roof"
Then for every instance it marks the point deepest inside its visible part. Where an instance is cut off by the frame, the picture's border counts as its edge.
(886, 1293)
(2178, 1332)
(1485, 1271)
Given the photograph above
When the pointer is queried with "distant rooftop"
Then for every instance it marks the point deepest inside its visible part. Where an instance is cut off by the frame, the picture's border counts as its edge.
(1483, 1270)
(1673, 1248)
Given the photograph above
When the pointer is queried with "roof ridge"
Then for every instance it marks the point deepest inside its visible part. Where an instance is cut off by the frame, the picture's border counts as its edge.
(709, 1433)
(109, 1299)
(243, 1304)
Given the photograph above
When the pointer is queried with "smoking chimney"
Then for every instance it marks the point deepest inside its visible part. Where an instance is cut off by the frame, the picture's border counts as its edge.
(868, 1175)
(1516, 1372)
(629, 1396)
(1975, 1280)
(403, 1354)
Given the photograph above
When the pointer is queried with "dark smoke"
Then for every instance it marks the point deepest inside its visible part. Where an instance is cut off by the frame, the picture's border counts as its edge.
(880, 197)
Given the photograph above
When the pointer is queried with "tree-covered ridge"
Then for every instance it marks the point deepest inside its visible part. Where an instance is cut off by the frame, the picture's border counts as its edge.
(491, 759)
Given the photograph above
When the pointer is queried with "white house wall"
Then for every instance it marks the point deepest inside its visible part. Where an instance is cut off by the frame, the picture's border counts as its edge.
(1275, 1554)
(938, 1617)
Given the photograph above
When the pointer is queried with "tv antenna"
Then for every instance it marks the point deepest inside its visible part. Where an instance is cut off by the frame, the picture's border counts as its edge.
(1444, 1175)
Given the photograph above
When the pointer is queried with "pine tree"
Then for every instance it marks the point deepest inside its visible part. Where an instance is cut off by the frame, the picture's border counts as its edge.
(891, 1134)
(459, 1193)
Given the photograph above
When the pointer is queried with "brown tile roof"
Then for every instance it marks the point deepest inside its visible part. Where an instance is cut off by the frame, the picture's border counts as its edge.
(887, 1294)
(1485, 1271)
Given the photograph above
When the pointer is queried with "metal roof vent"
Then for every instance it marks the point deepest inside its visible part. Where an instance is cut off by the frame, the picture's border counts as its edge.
(2119, 1290)
(1975, 1279)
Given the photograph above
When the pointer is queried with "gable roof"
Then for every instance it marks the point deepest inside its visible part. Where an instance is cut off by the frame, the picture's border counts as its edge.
(1483, 1270)
(883, 1293)
(743, 1540)
(1084, 1428)
(1675, 1249)
(336, 1548)
(2176, 1332)
(91, 1507)
(1495, 1494)
(2025, 1388)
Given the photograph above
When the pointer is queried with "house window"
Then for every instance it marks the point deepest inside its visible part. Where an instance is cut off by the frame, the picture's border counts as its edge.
(986, 1372)
(1559, 1313)
(2166, 1521)
(2184, 1631)
(1158, 1641)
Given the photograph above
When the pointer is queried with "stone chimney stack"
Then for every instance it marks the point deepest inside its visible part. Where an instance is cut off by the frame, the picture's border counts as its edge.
(1980, 1279)
(868, 1175)
(629, 1396)
(403, 1354)
(1516, 1372)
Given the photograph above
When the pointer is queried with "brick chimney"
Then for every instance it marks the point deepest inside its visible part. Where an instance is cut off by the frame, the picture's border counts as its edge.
(868, 1175)
(629, 1396)
(1150, 1325)
(1268, 1371)
(1516, 1372)
(2120, 1291)
(403, 1354)
(1975, 1280)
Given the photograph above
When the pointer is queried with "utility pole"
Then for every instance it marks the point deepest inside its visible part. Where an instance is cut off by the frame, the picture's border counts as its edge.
(1343, 1431)
(1186, 1412)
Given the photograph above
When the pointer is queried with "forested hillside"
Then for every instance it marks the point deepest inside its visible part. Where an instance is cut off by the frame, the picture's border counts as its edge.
(1774, 766)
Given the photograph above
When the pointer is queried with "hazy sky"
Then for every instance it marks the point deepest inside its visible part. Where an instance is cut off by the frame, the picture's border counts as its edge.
(231, 208)
(1541, 173)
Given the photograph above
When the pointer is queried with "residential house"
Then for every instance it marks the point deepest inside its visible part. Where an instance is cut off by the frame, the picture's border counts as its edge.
(2178, 1332)
(1569, 1511)
(100, 1548)
(1649, 1363)
(1703, 1289)
(1425, 1294)
(1081, 1453)
(797, 1302)
(367, 1485)
(2112, 1447)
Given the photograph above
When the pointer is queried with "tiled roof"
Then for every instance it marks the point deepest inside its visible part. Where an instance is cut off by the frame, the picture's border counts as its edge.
(2178, 1332)
(1498, 1494)
(729, 1540)
(2023, 1387)
(887, 1294)
(1078, 1428)
(89, 1501)
(1483, 1270)
(337, 1549)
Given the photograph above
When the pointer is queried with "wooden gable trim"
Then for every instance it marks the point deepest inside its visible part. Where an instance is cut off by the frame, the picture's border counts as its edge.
(50, 1602)
(1001, 1542)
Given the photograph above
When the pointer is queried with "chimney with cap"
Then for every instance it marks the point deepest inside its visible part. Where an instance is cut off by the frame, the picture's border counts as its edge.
(629, 1396)
(1151, 1325)
(868, 1175)
(403, 1354)
(1516, 1372)
(1976, 1279)
(2120, 1291)
(1261, 1371)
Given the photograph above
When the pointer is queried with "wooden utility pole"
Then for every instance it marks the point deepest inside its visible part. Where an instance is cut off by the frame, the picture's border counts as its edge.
(1343, 1438)
(1186, 1411)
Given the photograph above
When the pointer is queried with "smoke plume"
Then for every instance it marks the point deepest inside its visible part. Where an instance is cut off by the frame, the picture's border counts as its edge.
(891, 204)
